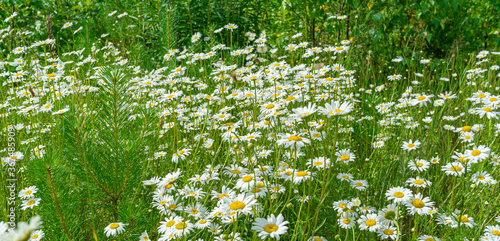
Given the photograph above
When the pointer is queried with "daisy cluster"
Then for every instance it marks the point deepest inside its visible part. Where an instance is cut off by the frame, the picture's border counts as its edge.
(256, 145)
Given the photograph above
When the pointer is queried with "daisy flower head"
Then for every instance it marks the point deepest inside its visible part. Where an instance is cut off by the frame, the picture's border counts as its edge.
(417, 204)
(421, 100)
(418, 165)
(231, 26)
(36, 235)
(463, 219)
(410, 145)
(239, 204)
(369, 222)
(418, 182)
(389, 215)
(30, 203)
(345, 156)
(335, 108)
(478, 153)
(378, 144)
(195, 37)
(344, 177)
(114, 229)
(428, 238)
(301, 176)
(387, 232)
(317, 238)
(28, 192)
(454, 169)
(144, 236)
(293, 140)
(394, 77)
(425, 61)
(346, 221)
(359, 184)
(273, 226)
(398, 194)
(492, 232)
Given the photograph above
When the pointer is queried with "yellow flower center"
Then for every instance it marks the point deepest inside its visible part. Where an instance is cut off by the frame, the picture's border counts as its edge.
(476, 152)
(114, 226)
(237, 205)
(247, 178)
(481, 178)
(344, 157)
(430, 239)
(308, 76)
(290, 98)
(446, 96)
(170, 223)
(31, 202)
(346, 221)
(269, 106)
(359, 184)
(399, 194)
(488, 109)
(223, 195)
(163, 202)
(236, 171)
(172, 206)
(318, 163)
(270, 228)
(411, 145)
(255, 190)
(388, 231)
(301, 173)
(417, 203)
(421, 98)
(481, 96)
(418, 182)
(194, 211)
(51, 75)
(370, 222)
(495, 232)
(203, 221)
(295, 138)
(182, 152)
(463, 219)
(342, 205)
(182, 225)
(493, 99)
(419, 164)
(456, 168)
(28, 192)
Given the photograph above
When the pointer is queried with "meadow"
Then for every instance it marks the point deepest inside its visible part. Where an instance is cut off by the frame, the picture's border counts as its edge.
(244, 135)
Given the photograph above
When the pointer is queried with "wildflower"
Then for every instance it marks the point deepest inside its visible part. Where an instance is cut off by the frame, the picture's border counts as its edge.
(336, 109)
(410, 145)
(420, 205)
(114, 229)
(478, 153)
(359, 184)
(28, 193)
(398, 194)
(454, 168)
(30, 203)
(195, 37)
(241, 204)
(273, 226)
(369, 222)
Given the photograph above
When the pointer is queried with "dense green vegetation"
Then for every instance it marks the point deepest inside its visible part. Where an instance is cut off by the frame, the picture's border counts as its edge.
(249, 120)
